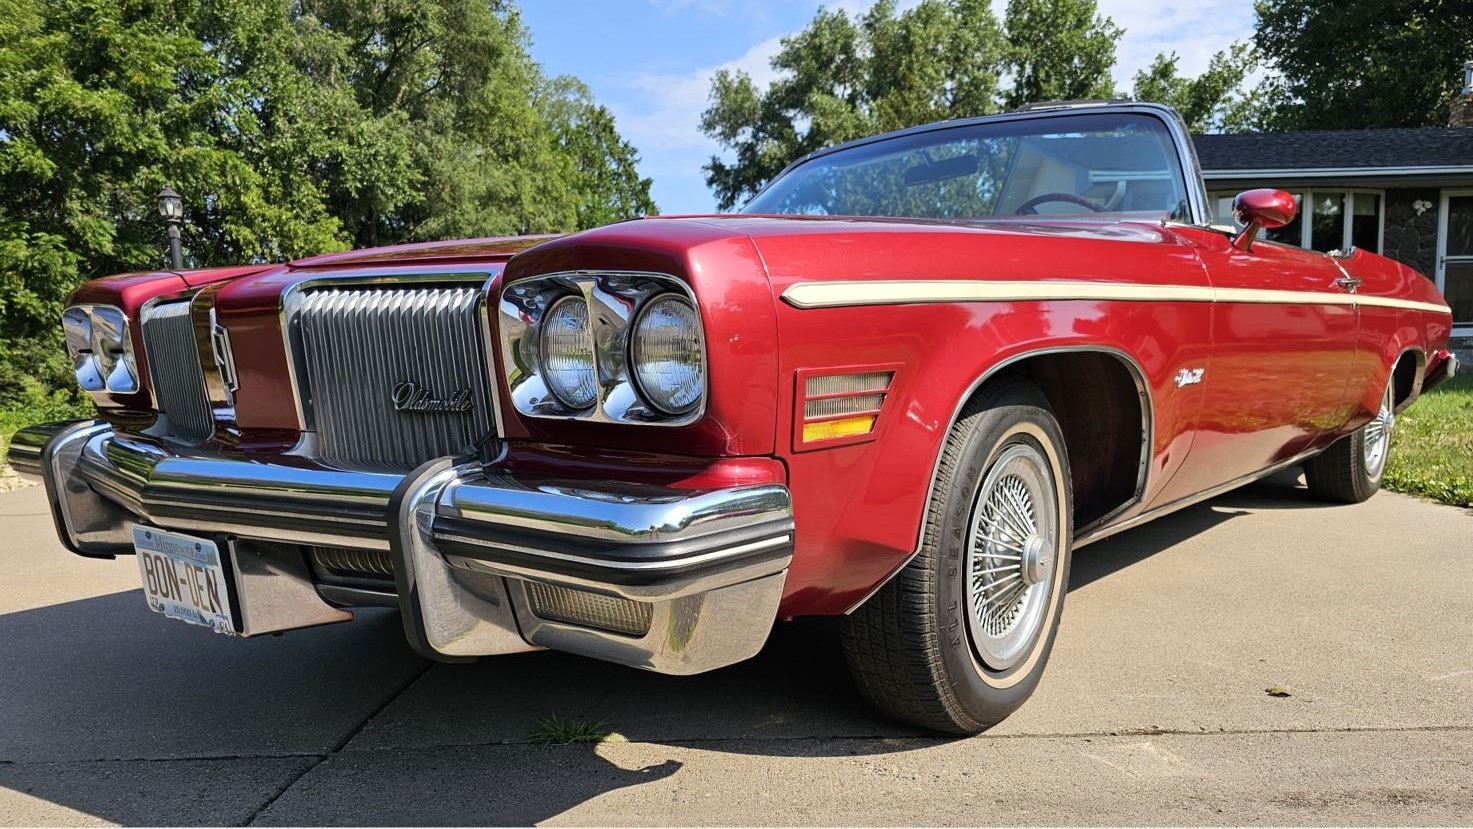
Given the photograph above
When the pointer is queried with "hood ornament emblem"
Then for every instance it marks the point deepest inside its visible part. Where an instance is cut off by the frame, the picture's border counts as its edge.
(409, 397)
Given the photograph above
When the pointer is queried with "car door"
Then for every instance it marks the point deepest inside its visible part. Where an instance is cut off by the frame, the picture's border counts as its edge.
(1283, 344)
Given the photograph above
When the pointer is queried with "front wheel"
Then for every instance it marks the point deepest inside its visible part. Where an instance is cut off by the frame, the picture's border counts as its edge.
(958, 639)
(1350, 471)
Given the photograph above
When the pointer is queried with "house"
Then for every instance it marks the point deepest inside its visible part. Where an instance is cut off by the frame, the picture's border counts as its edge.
(1404, 193)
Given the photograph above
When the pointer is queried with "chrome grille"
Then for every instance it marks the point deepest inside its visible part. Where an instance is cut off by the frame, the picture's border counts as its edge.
(173, 366)
(353, 562)
(358, 350)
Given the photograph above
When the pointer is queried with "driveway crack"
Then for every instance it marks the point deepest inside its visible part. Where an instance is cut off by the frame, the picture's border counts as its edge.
(337, 749)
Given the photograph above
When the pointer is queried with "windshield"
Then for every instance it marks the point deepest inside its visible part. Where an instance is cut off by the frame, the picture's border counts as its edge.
(1075, 164)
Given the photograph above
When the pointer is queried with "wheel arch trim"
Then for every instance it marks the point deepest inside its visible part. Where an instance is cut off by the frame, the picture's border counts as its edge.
(1143, 476)
(1419, 374)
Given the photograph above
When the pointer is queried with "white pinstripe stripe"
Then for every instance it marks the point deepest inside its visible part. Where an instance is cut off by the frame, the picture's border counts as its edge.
(906, 292)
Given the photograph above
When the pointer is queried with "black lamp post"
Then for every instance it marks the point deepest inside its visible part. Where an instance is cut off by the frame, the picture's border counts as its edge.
(171, 207)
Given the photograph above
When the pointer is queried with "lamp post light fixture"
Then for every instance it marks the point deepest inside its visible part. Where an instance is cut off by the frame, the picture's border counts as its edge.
(171, 207)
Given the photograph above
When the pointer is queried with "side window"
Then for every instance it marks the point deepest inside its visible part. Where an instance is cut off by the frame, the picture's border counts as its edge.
(1365, 221)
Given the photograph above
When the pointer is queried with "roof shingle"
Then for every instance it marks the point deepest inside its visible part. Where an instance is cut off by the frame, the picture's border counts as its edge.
(1337, 149)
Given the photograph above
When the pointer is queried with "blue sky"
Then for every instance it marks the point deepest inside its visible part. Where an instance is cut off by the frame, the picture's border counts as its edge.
(651, 61)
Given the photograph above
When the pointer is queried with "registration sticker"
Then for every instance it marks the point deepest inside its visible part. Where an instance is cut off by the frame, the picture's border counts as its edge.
(184, 578)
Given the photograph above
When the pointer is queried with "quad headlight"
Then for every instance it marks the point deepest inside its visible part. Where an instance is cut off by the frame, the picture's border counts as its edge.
(567, 353)
(607, 347)
(667, 353)
(101, 351)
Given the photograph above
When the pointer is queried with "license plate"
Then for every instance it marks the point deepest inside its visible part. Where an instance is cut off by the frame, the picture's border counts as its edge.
(184, 578)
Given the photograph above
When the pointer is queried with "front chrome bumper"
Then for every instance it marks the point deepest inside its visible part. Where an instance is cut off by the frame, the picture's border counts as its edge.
(704, 568)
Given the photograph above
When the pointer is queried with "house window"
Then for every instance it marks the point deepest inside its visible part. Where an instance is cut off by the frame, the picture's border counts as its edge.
(1337, 219)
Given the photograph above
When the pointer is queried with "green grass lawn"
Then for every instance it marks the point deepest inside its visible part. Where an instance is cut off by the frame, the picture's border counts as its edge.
(1432, 447)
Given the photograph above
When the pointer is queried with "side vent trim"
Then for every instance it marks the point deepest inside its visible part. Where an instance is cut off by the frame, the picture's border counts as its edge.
(840, 406)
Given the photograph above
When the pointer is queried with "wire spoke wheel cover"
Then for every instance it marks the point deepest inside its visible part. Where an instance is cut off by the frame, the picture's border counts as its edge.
(1376, 440)
(1012, 548)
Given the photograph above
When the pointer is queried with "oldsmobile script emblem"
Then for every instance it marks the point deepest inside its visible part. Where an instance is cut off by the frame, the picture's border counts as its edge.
(408, 397)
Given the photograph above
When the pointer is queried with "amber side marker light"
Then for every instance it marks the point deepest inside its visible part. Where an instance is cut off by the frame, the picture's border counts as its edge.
(836, 407)
(842, 428)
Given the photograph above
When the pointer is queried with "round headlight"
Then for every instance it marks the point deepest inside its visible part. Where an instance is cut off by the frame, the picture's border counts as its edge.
(668, 360)
(567, 353)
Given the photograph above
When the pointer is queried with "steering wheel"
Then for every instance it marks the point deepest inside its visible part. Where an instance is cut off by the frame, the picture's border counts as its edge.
(1027, 208)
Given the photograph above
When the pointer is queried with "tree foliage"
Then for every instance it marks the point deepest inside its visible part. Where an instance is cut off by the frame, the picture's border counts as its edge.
(1363, 63)
(606, 185)
(844, 77)
(289, 127)
(1211, 101)
(1059, 50)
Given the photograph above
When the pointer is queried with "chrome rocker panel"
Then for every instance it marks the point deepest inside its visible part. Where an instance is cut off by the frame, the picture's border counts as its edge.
(465, 539)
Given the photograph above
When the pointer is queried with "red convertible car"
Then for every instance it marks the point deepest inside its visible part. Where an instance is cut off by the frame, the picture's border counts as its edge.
(903, 386)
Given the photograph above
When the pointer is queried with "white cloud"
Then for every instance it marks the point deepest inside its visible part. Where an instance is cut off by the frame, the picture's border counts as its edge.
(661, 116)
(672, 118)
(1195, 31)
(674, 101)
(662, 113)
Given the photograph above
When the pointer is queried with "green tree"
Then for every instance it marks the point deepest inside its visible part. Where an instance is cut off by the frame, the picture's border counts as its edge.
(1212, 100)
(289, 126)
(1059, 50)
(606, 183)
(452, 143)
(100, 104)
(1362, 63)
(842, 78)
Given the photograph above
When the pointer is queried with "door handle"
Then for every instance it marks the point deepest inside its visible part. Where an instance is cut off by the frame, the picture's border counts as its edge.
(1349, 283)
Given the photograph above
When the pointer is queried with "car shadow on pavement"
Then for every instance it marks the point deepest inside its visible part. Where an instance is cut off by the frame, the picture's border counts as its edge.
(98, 696)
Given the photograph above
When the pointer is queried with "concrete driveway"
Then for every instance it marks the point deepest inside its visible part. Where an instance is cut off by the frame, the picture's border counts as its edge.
(1153, 709)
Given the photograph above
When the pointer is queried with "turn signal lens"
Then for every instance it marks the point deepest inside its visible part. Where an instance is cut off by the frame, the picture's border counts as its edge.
(836, 406)
(844, 427)
(567, 353)
(830, 384)
(840, 408)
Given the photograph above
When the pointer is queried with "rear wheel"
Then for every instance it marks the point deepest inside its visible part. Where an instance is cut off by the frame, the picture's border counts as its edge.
(958, 639)
(1350, 471)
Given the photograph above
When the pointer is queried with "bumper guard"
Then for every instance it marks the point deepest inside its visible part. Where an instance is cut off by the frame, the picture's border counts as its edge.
(704, 569)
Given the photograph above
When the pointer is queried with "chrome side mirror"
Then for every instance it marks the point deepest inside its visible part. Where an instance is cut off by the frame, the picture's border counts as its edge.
(1259, 209)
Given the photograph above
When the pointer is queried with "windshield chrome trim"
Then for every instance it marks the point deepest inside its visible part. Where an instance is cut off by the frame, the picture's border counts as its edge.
(1191, 170)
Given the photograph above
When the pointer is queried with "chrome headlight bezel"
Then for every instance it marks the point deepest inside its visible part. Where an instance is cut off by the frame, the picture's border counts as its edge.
(614, 300)
(100, 343)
